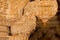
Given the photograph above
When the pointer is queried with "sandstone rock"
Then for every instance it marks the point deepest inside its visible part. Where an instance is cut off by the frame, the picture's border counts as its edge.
(3, 34)
(24, 26)
(4, 11)
(45, 0)
(16, 9)
(44, 10)
(12, 10)
(18, 37)
(4, 29)
(3, 20)
(4, 7)
(5, 37)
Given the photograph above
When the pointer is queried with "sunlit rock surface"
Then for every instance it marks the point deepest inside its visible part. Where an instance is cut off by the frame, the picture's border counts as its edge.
(44, 10)
(24, 26)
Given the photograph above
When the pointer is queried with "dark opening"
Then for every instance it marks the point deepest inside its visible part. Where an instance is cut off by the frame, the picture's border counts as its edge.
(10, 34)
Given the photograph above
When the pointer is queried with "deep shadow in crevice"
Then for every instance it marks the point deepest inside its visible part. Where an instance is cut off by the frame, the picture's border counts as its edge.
(58, 13)
(23, 12)
(33, 33)
(32, 0)
(57, 36)
(10, 34)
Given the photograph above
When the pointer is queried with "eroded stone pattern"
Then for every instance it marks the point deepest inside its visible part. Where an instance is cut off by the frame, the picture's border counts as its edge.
(45, 0)
(24, 26)
(4, 31)
(4, 6)
(44, 10)
(16, 10)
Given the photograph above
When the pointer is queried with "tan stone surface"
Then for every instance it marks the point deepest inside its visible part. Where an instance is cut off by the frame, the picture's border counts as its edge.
(16, 9)
(11, 10)
(4, 7)
(4, 33)
(3, 20)
(5, 37)
(18, 37)
(44, 10)
(45, 0)
(24, 26)
(4, 28)
(4, 10)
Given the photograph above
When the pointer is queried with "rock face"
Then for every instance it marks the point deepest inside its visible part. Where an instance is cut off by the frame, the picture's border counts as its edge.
(18, 17)
(4, 10)
(24, 26)
(16, 10)
(4, 31)
(10, 12)
(16, 37)
(44, 10)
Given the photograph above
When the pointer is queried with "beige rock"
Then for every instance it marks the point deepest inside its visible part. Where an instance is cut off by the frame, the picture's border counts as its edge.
(44, 10)
(5, 37)
(45, 0)
(4, 34)
(18, 37)
(24, 26)
(4, 29)
(48, 0)
(16, 9)
(4, 7)
(11, 10)
(4, 10)
(3, 20)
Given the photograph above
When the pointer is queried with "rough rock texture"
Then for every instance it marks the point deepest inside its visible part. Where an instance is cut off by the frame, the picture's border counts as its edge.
(5, 37)
(11, 10)
(44, 10)
(4, 34)
(4, 28)
(19, 16)
(4, 31)
(46, 0)
(16, 10)
(4, 10)
(24, 26)
(18, 37)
